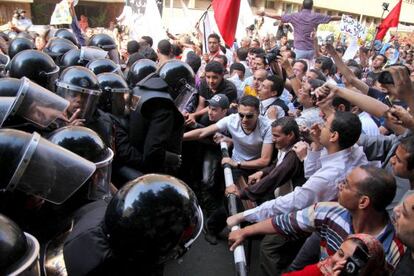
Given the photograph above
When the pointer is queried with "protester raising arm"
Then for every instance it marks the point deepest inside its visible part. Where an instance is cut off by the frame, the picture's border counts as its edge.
(328, 91)
(295, 82)
(402, 88)
(200, 133)
(346, 72)
(263, 13)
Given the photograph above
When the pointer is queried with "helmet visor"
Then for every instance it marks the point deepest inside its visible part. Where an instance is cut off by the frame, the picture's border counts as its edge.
(85, 101)
(38, 105)
(99, 186)
(49, 171)
(185, 96)
(92, 53)
(6, 105)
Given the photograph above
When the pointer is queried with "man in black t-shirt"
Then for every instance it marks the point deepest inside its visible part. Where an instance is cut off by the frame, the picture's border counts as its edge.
(214, 83)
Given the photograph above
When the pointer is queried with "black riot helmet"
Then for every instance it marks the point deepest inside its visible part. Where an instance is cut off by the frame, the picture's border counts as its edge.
(139, 70)
(87, 144)
(180, 79)
(35, 166)
(19, 44)
(25, 35)
(19, 251)
(103, 65)
(152, 219)
(116, 96)
(29, 101)
(72, 58)
(57, 47)
(4, 61)
(103, 41)
(80, 87)
(36, 66)
(66, 34)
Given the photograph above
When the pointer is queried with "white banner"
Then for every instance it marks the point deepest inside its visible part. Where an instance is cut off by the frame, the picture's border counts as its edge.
(142, 17)
(61, 14)
(352, 27)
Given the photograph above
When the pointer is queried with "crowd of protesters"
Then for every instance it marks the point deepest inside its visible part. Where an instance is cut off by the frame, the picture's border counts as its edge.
(322, 150)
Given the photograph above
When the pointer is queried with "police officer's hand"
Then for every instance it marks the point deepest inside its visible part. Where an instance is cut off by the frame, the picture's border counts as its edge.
(232, 189)
(234, 220)
(236, 238)
(74, 119)
(172, 160)
(254, 178)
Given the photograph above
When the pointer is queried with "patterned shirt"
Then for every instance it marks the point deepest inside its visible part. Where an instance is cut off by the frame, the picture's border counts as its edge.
(333, 224)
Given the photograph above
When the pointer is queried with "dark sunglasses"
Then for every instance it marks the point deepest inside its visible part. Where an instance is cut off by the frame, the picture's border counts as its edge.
(247, 116)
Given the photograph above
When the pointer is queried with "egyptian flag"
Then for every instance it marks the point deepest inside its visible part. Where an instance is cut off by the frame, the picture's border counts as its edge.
(390, 21)
(226, 13)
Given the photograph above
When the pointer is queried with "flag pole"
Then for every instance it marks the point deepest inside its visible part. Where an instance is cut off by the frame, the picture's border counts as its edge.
(204, 14)
(384, 9)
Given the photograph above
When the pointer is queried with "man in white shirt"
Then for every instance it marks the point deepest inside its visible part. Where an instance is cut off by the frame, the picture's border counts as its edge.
(324, 168)
(269, 93)
(251, 134)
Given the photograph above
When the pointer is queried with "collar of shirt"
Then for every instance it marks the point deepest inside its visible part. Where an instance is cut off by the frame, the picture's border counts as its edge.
(266, 103)
(334, 158)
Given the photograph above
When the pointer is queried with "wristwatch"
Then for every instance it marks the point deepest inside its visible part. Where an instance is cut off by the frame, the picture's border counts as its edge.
(291, 77)
(238, 164)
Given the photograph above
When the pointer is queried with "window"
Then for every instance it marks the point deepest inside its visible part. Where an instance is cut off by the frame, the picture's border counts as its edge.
(270, 4)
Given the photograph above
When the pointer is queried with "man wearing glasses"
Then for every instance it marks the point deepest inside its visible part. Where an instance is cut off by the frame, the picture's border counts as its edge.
(251, 134)
(361, 208)
(252, 148)
(331, 157)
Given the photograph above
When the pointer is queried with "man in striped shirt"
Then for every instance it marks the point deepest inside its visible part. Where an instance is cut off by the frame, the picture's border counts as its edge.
(363, 197)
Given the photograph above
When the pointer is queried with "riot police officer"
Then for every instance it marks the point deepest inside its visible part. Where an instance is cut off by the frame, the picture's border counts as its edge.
(151, 220)
(156, 126)
(57, 47)
(36, 66)
(19, 251)
(80, 87)
(107, 43)
(116, 96)
(104, 66)
(139, 70)
(27, 106)
(19, 44)
(66, 34)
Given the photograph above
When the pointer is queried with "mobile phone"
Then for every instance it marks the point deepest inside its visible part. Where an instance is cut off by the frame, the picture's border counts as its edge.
(388, 101)
(355, 263)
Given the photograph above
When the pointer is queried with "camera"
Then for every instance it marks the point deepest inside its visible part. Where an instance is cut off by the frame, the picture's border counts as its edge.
(329, 39)
(354, 263)
(385, 76)
(272, 55)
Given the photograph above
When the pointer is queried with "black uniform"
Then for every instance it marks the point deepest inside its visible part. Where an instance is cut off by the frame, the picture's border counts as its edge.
(156, 126)
(87, 251)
